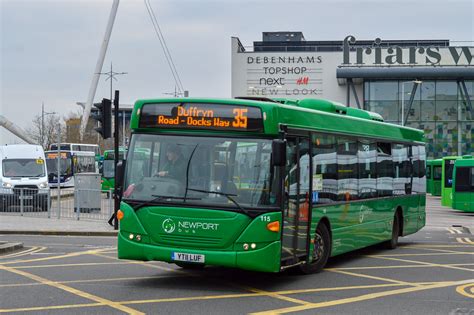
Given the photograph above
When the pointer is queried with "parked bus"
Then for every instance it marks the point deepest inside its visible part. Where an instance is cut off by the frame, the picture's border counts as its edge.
(447, 180)
(71, 163)
(23, 178)
(433, 176)
(321, 179)
(463, 184)
(108, 168)
(77, 147)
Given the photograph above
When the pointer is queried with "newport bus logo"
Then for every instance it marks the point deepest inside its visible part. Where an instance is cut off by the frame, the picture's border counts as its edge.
(168, 226)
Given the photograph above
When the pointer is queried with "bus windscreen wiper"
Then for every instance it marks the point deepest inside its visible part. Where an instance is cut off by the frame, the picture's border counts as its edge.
(159, 198)
(228, 195)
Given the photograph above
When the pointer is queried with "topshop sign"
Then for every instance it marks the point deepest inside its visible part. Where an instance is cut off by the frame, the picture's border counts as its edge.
(377, 55)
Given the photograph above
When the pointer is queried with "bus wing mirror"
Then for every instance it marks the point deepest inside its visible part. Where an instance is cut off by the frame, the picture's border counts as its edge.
(278, 152)
(120, 174)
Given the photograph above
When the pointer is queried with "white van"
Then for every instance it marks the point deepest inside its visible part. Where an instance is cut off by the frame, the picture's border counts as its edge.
(23, 178)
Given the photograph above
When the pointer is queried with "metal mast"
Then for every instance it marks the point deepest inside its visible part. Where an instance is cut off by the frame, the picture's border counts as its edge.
(98, 68)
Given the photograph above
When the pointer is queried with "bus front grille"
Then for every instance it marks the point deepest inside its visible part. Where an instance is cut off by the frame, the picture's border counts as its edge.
(191, 240)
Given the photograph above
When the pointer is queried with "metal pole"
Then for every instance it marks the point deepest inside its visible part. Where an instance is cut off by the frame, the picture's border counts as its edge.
(403, 104)
(42, 124)
(58, 190)
(123, 128)
(116, 151)
(22, 196)
(98, 68)
(78, 203)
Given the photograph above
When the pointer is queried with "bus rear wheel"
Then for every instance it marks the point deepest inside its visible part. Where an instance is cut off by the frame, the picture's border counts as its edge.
(321, 250)
(393, 242)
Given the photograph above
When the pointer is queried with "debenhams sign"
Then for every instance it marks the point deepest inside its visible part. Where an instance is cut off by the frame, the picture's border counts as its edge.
(376, 55)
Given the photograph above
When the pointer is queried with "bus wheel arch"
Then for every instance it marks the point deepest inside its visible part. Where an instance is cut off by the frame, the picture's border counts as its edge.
(399, 213)
(397, 229)
(322, 244)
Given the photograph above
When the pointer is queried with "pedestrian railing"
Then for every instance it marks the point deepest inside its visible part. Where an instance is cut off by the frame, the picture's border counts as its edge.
(70, 203)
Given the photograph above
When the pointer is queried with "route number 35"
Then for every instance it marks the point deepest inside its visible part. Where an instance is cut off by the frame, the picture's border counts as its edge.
(240, 118)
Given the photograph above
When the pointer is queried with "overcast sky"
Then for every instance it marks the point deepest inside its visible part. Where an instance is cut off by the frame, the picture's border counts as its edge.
(49, 48)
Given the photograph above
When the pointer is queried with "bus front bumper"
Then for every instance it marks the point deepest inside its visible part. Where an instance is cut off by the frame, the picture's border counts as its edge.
(265, 259)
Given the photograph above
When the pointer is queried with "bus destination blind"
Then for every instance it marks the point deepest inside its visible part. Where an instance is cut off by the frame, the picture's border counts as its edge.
(201, 116)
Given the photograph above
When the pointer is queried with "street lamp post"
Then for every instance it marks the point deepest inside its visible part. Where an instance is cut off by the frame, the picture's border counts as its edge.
(43, 113)
(403, 97)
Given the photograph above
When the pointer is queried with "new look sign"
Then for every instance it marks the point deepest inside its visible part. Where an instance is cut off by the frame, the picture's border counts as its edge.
(378, 55)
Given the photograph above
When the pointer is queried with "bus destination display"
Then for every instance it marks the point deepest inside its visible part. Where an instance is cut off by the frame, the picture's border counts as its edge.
(201, 116)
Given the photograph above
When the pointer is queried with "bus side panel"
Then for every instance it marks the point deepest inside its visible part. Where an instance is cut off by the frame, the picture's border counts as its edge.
(436, 188)
(358, 225)
(463, 201)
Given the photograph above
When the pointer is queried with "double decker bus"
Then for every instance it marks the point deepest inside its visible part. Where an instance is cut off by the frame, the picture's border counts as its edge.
(70, 164)
(76, 147)
(433, 176)
(266, 185)
(463, 184)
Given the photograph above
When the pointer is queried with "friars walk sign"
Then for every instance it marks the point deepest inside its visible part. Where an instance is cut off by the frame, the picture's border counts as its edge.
(378, 55)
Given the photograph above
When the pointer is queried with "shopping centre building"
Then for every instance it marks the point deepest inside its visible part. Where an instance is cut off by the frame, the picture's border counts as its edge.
(424, 84)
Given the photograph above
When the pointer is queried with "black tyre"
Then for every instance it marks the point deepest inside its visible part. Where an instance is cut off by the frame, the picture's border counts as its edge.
(393, 242)
(190, 265)
(321, 250)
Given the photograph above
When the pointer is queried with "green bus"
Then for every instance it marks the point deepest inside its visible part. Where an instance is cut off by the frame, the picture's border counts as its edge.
(108, 169)
(266, 185)
(447, 180)
(463, 184)
(433, 176)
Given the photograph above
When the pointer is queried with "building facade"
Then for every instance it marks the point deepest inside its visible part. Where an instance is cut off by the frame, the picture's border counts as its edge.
(424, 84)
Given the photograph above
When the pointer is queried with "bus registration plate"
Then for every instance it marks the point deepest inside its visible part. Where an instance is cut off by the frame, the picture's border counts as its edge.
(194, 258)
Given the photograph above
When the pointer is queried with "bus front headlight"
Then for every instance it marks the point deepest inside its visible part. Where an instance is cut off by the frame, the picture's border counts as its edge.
(43, 185)
(7, 185)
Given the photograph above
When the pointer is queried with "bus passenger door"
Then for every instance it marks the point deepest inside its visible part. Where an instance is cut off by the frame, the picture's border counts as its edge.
(297, 203)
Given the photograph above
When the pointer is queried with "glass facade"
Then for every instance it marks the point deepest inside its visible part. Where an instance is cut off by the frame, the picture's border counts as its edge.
(438, 108)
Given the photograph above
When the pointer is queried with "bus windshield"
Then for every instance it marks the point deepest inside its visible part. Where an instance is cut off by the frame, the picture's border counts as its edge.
(202, 171)
(23, 168)
(108, 169)
(65, 166)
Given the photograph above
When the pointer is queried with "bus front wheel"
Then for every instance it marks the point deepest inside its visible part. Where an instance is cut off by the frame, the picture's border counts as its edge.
(321, 250)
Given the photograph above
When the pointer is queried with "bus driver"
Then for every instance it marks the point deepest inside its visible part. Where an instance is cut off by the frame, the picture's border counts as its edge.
(175, 166)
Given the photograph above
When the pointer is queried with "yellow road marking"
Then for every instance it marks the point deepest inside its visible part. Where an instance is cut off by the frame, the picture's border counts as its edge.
(426, 263)
(25, 252)
(465, 240)
(427, 254)
(464, 290)
(74, 254)
(453, 231)
(44, 308)
(372, 277)
(72, 290)
(391, 267)
(71, 265)
(88, 281)
(365, 297)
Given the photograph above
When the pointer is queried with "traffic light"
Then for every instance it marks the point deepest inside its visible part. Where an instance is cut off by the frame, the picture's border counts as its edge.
(104, 117)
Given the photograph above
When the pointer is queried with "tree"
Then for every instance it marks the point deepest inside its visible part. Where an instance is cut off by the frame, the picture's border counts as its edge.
(48, 133)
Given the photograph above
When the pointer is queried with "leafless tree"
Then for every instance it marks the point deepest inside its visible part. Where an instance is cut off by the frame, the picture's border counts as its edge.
(47, 133)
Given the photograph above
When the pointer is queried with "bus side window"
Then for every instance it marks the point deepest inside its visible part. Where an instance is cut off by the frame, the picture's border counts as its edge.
(384, 169)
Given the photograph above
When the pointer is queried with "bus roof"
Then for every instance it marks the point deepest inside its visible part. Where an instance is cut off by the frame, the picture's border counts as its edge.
(315, 114)
(465, 161)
